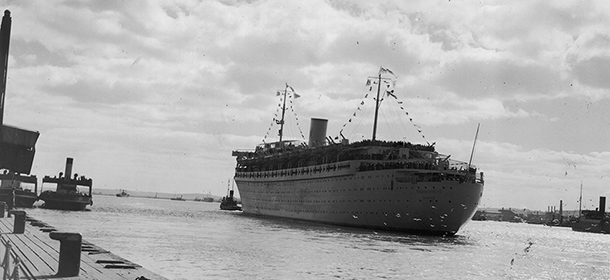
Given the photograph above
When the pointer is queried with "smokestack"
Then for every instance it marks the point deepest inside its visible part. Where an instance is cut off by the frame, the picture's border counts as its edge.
(317, 132)
(561, 212)
(69, 168)
(602, 205)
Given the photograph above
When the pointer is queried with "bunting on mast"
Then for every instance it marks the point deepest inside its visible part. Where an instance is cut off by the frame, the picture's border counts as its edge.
(285, 95)
(388, 91)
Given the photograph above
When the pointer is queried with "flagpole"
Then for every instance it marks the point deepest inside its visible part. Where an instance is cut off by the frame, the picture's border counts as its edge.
(376, 107)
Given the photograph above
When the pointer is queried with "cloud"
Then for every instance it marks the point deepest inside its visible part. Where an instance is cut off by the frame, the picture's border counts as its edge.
(156, 88)
(594, 72)
(503, 79)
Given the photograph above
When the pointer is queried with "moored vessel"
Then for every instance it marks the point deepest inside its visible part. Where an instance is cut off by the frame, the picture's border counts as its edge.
(67, 195)
(389, 185)
(594, 221)
(13, 192)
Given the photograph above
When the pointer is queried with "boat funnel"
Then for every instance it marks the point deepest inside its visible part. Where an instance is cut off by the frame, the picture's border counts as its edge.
(602, 205)
(317, 132)
(68, 168)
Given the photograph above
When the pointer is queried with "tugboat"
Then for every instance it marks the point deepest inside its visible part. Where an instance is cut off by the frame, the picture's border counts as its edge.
(67, 196)
(229, 202)
(13, 193)
(122, 194)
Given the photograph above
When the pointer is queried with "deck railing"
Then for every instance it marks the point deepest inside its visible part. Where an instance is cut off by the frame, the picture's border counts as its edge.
(10, 269)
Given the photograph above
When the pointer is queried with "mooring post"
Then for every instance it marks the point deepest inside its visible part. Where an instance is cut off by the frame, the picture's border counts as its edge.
(2, 208)
(19, 224)
(69, 252)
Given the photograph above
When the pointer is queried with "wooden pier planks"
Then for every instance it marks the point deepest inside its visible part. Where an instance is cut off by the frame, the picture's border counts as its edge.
(39, 256)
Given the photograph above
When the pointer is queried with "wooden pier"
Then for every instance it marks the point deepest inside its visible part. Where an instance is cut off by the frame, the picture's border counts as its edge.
(46, 253)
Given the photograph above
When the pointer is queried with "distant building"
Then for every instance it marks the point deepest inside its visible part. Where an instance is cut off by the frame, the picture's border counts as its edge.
(496, 215)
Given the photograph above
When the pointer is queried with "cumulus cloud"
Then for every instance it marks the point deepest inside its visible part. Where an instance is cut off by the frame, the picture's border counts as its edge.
(183, 82)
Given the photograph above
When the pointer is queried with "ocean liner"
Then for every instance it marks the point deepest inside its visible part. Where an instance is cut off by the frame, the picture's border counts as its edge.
(396, 186)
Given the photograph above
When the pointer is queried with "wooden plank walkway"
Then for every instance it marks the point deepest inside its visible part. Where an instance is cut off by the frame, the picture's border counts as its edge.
(39, 255)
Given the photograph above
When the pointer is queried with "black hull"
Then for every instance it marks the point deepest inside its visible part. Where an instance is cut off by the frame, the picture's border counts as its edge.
(23, 199)
(592, 225)
(73, 202)
(230, 207)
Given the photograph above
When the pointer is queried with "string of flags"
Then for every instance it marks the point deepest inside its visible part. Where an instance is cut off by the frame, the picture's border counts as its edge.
(389, 85)
(291, 95)
(274, 121)
(297, 118)
(353, 115)
(400, 104)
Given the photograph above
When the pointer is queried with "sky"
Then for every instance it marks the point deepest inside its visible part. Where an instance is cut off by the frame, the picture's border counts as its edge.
(155, 95)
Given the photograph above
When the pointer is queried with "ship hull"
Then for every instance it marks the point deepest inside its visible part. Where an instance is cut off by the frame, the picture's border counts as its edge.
(73, 202)
(22, 198)
(379, 199)
(592, 225)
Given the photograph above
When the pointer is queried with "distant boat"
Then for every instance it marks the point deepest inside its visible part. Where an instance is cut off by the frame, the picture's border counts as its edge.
(67, 196)
(178, 198)
(229, 202)
(123, 193)
(12, 192)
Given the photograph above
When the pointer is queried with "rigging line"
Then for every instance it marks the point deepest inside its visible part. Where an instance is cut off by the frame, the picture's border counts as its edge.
(391, 127)
(274, 120)
(352, 122)
(357, 122)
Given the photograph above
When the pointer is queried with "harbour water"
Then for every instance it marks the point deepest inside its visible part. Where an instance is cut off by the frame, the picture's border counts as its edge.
(196, 240)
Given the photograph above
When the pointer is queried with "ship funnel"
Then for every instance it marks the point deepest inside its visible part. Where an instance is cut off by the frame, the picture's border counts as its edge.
(317, 132)
(68, 168)
(602, 205)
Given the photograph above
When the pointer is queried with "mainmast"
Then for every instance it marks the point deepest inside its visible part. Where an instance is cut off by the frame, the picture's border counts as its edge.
(376, 107)
(377, 100)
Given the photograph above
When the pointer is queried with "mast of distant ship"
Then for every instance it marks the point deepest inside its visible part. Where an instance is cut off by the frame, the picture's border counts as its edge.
(580, 201)
(281, 122)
